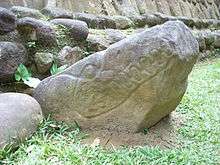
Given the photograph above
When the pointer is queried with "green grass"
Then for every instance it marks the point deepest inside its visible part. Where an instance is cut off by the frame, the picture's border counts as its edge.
(57, 143)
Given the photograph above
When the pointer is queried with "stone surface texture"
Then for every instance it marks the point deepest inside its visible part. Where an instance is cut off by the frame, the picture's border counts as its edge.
(43, 62)
(20, 115)
(21, 12)
(128, 87)
(7, 21)
(68, 55)
(78, 29)
(36, 30)
(54, 12)
(11, 55)
(195, 8)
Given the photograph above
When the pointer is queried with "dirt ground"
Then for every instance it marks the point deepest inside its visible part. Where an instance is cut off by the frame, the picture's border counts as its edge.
(164, 135)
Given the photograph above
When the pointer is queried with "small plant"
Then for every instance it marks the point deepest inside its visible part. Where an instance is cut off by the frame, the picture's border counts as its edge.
(23, 74)
(55, 69)
(31, 44)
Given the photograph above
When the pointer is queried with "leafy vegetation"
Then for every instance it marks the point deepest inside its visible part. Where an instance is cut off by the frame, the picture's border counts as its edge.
(58, 143)
(22, 73)
(55, 69)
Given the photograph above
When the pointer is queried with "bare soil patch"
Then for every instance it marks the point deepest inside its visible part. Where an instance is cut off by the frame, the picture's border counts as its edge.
(164, 135)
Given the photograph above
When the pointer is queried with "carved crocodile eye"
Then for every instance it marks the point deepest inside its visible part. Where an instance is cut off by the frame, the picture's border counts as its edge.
(89, 71)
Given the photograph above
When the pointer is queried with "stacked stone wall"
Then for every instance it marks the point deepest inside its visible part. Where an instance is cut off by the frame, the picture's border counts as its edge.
(208, 9)
(202, 9)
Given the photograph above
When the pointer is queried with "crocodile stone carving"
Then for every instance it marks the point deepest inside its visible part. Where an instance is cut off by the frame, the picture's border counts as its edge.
(130, 86)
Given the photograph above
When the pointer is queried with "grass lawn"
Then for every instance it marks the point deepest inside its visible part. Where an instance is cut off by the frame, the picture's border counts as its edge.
(59, 144)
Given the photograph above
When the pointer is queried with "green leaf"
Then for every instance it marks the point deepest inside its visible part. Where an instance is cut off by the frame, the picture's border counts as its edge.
(22, 73)
(54, 69)
(17, 76)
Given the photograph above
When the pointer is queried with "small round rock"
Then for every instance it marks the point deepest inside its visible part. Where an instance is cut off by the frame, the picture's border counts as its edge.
(20, 116)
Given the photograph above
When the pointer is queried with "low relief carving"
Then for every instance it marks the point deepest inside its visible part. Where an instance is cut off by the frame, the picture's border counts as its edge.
(126, 85)
(107, 85)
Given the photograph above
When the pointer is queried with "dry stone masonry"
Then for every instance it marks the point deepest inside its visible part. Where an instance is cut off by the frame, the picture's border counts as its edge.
(131, 85)
(190, 8)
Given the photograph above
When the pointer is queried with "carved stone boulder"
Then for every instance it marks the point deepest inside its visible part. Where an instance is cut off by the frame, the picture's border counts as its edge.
(128, 87)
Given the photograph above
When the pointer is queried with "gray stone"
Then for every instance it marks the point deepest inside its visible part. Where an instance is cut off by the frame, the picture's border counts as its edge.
(35, 4)
(56, 13)
(215, 23)
(7, 21)
(69, 55)
(39, 31)
(9, 3)
(209, 38)
(43, 62)
(187, 21)
(128, 8)
(114, 35)
(128, 87)
(164, 17)
(152, 20)
(11, 55)
(201, 41)
(138, 20)
(216, 43)
(21, 12)
(97, 42)
(163, 6)
(96, 21)
(13, 36)
(78, 29)
(122, 22)
(20, 116)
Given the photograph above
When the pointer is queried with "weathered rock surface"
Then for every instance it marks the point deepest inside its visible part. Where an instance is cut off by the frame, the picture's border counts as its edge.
(78, 29)
(216, 43)
(7, 4)
(122, 22)
(40, 31)
(11, 55)
(114, 35)
(20, 115)
(208, 39)
(69, 55)
(13, 36)
(38, 4)
(21, 12)
(196, 8)
(43, 62)
(96, 21)
(130, 86)
(56, 13)
(7, 21)
(97, 42)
